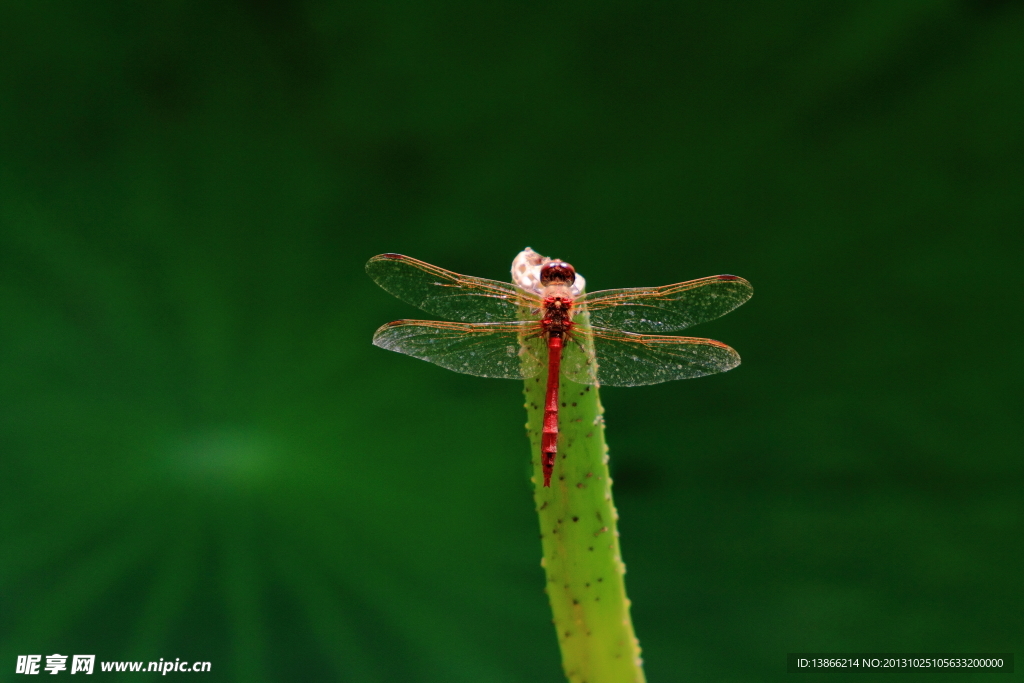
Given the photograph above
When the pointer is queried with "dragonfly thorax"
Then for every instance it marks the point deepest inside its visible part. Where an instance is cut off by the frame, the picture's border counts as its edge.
(557, 314)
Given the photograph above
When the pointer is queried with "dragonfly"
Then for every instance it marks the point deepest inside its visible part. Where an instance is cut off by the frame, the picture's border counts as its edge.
(503, 330)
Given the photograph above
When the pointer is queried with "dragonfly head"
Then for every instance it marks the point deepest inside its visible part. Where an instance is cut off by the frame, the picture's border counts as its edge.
(557, 272)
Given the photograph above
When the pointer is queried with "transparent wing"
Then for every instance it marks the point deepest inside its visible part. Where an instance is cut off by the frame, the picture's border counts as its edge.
(504, 350)
(629, 360)
(447, 294)
(669, 308)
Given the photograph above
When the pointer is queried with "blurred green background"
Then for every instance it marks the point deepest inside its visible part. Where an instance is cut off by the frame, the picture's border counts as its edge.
(204, 458)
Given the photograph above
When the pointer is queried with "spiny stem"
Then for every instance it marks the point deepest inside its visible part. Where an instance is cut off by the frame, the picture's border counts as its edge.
(578, 533)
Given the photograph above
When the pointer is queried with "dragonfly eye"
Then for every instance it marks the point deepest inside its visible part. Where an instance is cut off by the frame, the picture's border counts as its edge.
(557, 272)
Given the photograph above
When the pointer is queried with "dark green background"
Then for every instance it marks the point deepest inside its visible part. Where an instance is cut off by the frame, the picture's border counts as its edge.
(203, 456)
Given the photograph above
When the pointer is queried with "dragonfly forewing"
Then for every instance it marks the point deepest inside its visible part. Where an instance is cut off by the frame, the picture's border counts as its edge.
(502, 350)
(629, 360)
(669, 308)
(448, 294)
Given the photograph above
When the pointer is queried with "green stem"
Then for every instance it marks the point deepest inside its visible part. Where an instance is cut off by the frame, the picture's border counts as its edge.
(578, 533)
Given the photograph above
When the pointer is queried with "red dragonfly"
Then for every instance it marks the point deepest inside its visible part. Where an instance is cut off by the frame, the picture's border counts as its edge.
(503, 330)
